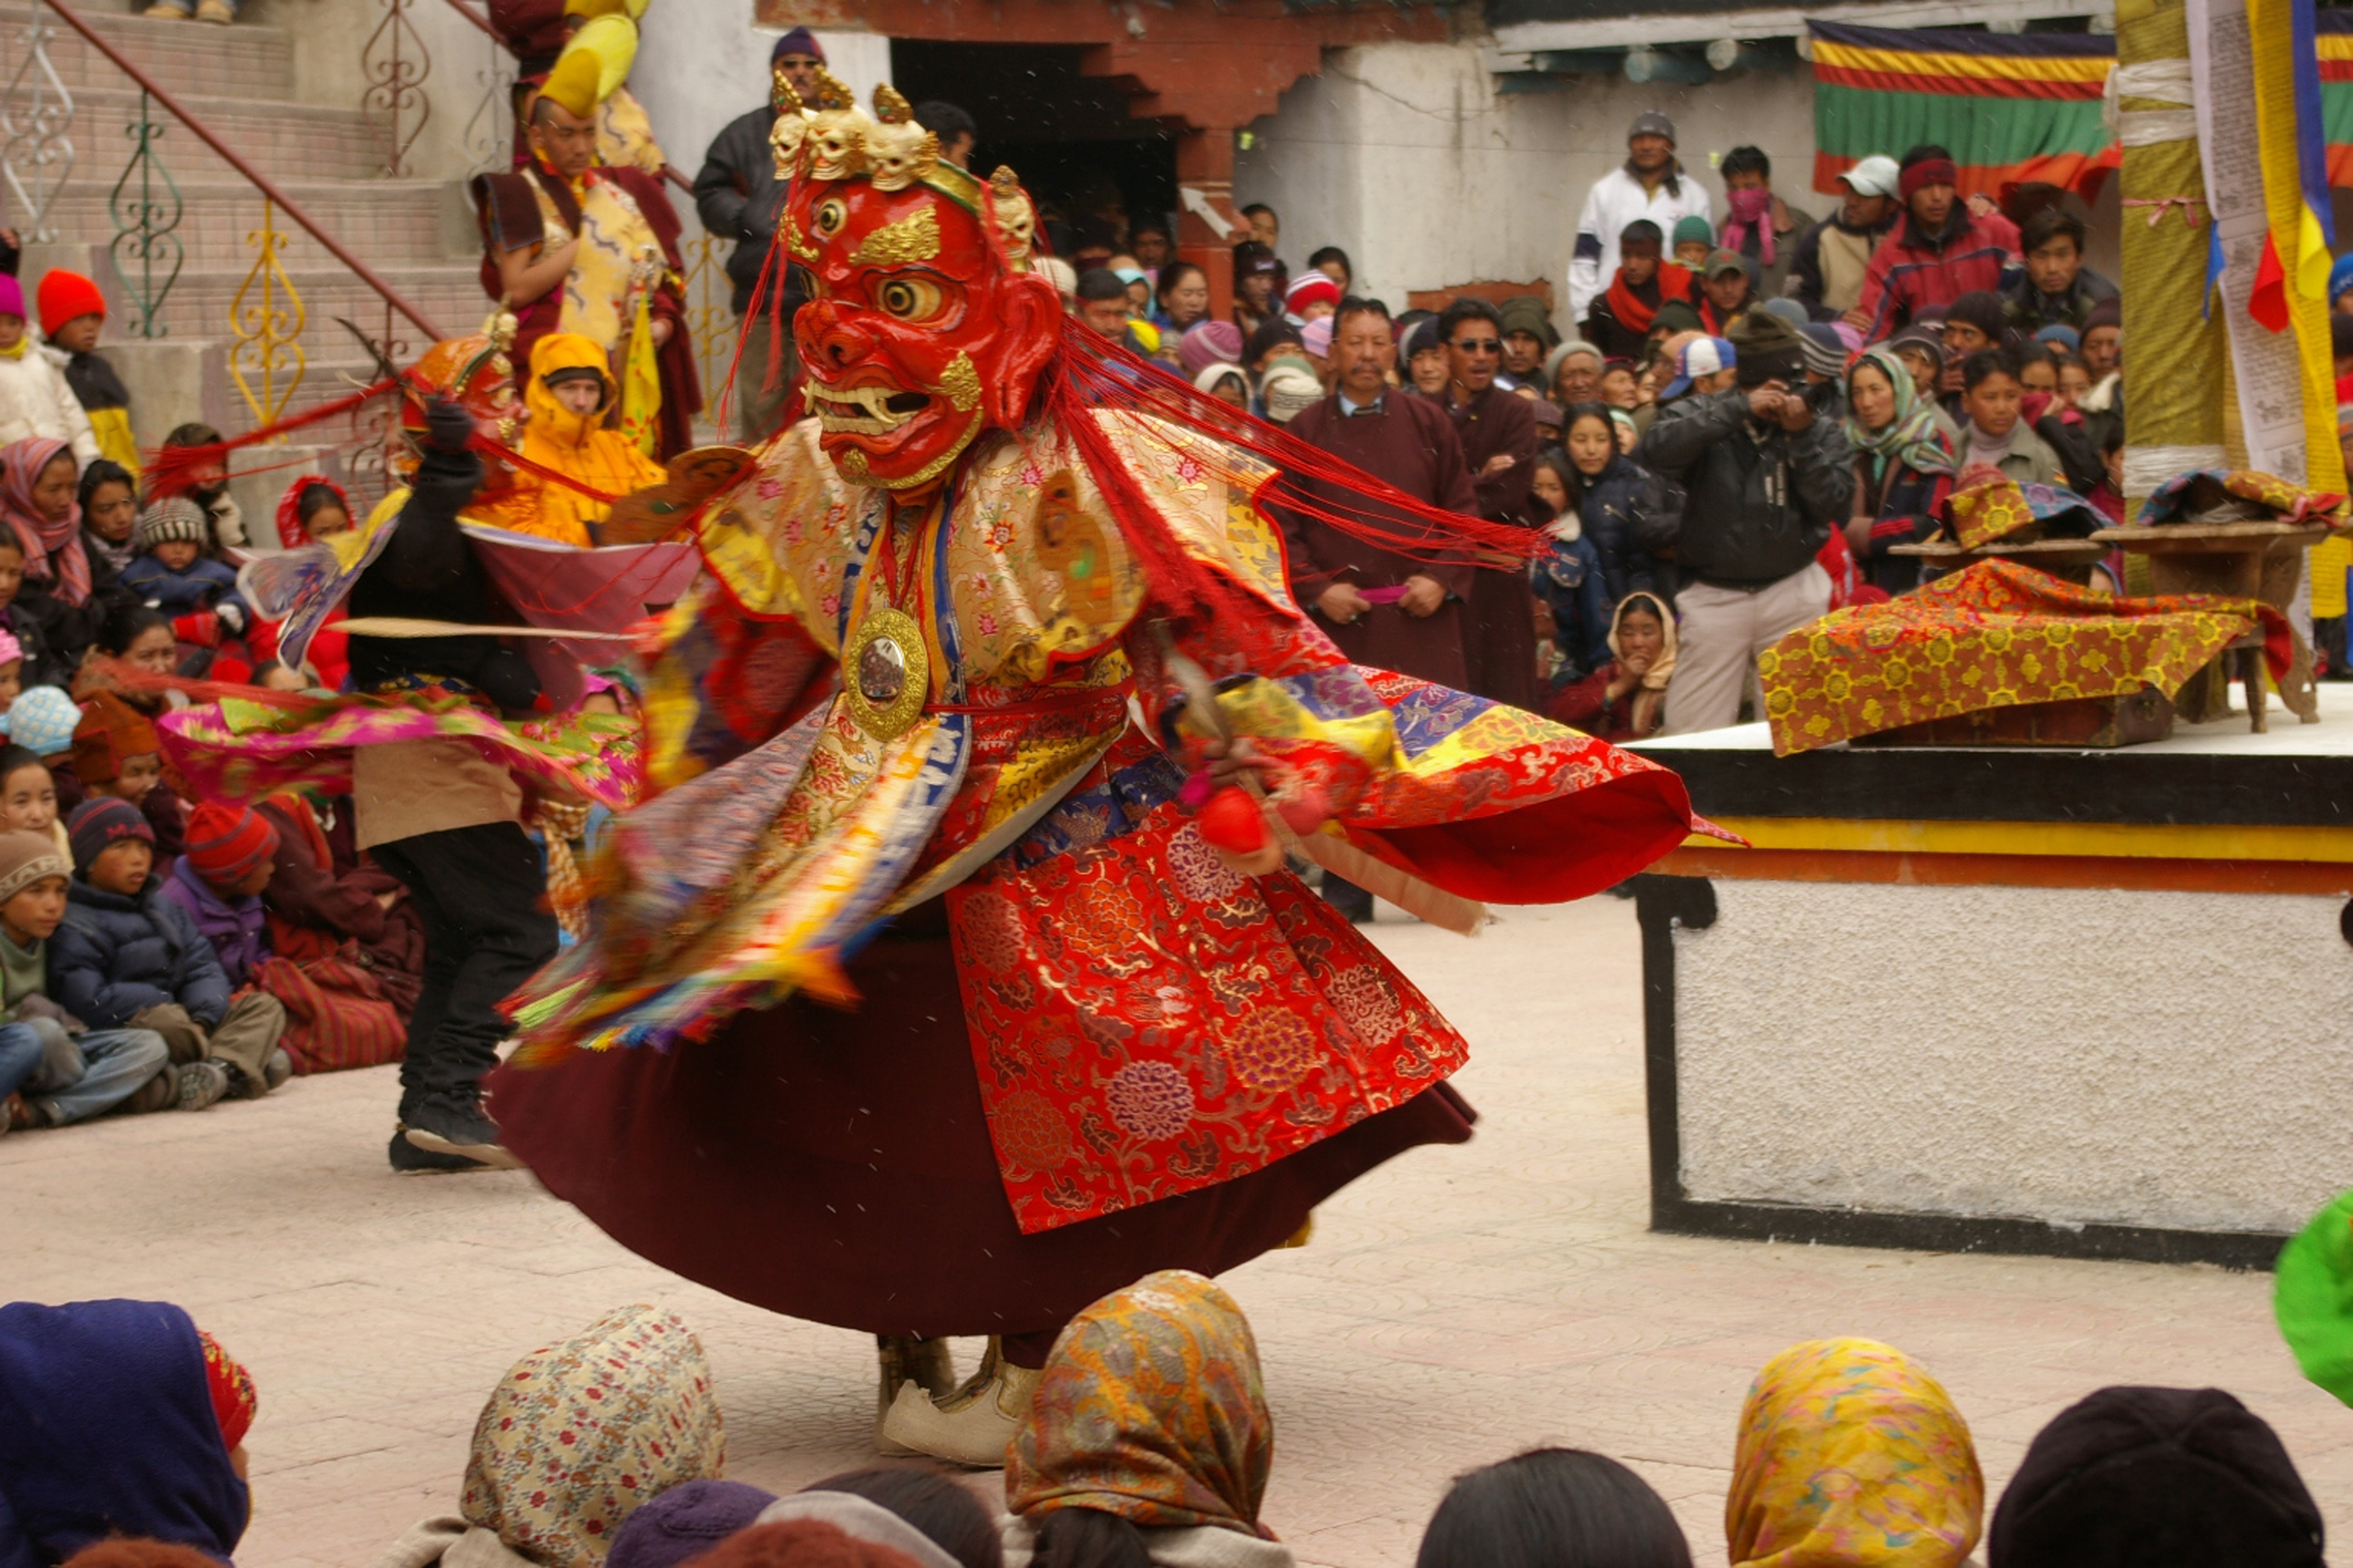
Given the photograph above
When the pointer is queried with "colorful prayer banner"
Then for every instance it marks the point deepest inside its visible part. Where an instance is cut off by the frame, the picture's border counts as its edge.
(2014, 107)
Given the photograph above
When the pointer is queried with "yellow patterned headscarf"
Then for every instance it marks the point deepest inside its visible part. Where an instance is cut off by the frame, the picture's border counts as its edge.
(1851, 1457)
(1150, 1408)
(580, 1433)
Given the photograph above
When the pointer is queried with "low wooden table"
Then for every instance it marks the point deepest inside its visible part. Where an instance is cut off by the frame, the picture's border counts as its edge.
(2070, 560)
(2250, 560)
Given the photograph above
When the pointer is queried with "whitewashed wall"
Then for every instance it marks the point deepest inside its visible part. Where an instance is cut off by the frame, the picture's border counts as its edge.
(701, 63)
(1407, 156)
(2156, 1058)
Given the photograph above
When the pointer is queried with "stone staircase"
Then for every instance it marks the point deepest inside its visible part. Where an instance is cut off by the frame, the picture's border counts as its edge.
(415, 232)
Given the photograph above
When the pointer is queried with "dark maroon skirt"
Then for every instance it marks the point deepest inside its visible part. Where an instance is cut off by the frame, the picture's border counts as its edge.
(836, 1166)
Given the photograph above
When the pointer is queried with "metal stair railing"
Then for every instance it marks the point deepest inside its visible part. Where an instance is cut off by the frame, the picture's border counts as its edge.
(267, 315)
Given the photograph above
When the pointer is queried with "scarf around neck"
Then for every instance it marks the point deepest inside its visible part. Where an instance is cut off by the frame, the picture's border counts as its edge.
(1981, 446)
(53, 551)
(1911, 437)
(1752, 217)
(1633, 312)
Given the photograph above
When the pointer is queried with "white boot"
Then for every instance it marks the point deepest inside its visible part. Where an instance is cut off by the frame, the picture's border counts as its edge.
(910, 1362)
(976, 1424)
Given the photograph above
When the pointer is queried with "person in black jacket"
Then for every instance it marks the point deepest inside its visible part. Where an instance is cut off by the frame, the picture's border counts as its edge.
(738, 196)
(1765, 481)
(441, 816)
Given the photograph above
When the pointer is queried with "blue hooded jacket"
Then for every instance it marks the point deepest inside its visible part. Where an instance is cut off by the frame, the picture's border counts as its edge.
(114, 956)
(107, 1429)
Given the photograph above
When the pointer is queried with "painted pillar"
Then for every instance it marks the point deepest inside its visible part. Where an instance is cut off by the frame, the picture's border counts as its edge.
(2173, 351)
(1204, 182)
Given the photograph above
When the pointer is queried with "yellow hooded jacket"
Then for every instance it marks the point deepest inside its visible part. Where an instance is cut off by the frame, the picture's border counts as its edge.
(576, 445)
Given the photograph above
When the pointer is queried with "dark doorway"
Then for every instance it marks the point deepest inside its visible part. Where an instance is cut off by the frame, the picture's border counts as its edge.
(1068, 136)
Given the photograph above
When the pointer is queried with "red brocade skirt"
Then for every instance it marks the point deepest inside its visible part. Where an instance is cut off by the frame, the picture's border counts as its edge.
(837, 1166)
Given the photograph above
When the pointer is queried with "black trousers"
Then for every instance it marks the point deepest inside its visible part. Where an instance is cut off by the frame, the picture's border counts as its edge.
(480, 891)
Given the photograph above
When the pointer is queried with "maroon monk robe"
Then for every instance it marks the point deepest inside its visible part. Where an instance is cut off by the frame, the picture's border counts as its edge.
(1410, 443)
(1499, 635)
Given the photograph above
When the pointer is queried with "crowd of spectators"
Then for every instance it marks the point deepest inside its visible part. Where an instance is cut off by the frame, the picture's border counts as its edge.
(1748, 412)
(1149, 1441)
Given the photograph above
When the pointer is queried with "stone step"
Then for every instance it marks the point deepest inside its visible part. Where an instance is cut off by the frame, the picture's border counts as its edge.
(386, 224)
(450, 296)
(285, 140)
(240, 61)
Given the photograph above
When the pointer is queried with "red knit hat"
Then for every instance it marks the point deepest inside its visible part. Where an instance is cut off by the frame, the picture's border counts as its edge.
(65, 295)
(224, 842)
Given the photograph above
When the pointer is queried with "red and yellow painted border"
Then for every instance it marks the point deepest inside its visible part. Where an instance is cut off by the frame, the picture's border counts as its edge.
(2184, 858)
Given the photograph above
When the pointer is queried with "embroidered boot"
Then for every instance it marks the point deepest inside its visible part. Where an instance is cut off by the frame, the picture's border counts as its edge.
(972, 1427)
(908, 1360)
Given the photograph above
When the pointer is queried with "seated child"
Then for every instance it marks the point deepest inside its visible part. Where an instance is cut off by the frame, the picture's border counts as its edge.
(44, 665)
(129, 957)
(218, 882)
(173, 573)
(28, 799)
(42, 719)
(116, 753)
(73, 1073)
(12, 673)
(110, 522)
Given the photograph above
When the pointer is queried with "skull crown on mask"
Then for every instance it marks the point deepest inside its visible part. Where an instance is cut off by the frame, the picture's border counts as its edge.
(925, 325)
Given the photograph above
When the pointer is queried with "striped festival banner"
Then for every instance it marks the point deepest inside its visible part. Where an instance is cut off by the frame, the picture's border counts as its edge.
(2012, 107)
(2335, 30)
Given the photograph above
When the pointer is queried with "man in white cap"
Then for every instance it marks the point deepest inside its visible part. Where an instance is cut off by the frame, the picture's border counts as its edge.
(1649, 184)
(1826, 275)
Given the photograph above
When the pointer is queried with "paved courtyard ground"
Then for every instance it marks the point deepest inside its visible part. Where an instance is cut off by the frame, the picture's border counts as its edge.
(1456, 1306)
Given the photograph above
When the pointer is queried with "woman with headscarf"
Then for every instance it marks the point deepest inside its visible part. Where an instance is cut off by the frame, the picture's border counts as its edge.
(575, 1437)
(118, 1418)
(2157, 1477)
(1903, 468)
(38, 502)
(1148, 1433)
(1626, 699)
(1851, 1456)
(1226, 383)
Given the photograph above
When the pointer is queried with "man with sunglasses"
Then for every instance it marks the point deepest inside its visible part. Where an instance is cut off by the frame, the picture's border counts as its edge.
(1497, 428)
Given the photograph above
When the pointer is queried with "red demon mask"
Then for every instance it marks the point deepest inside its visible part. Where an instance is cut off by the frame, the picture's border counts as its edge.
(925, 324)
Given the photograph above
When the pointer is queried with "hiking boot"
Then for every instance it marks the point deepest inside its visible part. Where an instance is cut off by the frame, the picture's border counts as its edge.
(278, 1068)
(407, 1158)
(202, 1084)
(13, 1113)
(452, 1124)
(158, 1093)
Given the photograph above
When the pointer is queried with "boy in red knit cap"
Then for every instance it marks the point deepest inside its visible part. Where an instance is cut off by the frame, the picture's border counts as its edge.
(218, 881)
(72, 312)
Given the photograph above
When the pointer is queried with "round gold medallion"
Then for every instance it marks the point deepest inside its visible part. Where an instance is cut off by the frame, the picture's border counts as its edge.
(886, 673)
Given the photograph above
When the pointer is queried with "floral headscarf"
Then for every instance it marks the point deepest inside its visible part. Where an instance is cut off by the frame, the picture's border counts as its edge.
(582, 1432)
(1912, 436)
(1849, 1454)
(53, 551)
(1150, 1408)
